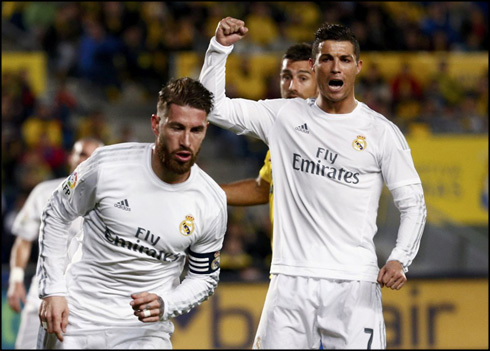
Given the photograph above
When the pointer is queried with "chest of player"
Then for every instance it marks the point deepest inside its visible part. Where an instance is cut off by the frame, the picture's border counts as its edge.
(150, 220)
(329, 149)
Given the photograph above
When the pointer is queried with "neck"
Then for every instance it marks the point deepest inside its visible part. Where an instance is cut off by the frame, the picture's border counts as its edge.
(337, 107)
(164, 173)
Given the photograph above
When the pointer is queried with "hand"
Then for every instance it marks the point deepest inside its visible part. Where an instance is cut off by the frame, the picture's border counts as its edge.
(392, 275)
(15, 294)
(230, 30)
(147, 307)
(53, 315)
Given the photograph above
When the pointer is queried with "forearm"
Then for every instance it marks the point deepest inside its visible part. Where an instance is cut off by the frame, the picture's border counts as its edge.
(52, 251)
(20, 254)
(413, 213)
(193, 290)
(247, 192)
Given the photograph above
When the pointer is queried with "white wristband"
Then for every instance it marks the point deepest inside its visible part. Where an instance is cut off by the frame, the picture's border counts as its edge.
(16, 275)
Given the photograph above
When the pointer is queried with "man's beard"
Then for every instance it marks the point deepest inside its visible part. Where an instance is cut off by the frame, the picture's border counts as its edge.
(170, 163)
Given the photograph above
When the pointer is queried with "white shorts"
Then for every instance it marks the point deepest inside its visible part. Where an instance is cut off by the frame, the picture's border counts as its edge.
(302, 312)
(111, 338)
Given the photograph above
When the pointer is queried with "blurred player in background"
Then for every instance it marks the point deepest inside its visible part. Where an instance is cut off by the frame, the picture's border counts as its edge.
(297, 80)
(146, 207)
(26, 228)
(331, 158)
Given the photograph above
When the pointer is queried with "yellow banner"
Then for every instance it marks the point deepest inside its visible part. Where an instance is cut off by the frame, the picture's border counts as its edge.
(454, 173)
(425, 314)
(33, 63)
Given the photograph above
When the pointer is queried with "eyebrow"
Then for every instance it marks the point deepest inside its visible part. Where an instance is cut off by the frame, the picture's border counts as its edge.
(300, 71)
(181, 125)
(352, 56)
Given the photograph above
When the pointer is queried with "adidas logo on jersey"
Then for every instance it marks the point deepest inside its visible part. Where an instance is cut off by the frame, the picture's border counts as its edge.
(124, 205)
(303, 128)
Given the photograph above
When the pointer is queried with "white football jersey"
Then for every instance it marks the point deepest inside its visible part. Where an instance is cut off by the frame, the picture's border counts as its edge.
(28, 220)
(137, 232)
(328, 173)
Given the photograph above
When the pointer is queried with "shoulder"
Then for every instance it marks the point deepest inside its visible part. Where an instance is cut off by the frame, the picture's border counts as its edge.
(130, 148)
(120, 153)
(375, 118)
(386, 129)
(211, 189)
(44, 189)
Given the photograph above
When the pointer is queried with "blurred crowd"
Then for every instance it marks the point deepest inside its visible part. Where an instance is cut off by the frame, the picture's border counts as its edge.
(107, 46)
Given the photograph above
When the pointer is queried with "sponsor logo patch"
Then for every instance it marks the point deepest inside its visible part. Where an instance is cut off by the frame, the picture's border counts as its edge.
(303, 128)
(124, 205)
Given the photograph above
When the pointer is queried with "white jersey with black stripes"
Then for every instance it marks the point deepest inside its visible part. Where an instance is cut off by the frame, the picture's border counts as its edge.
(328, 172)
(136, 235)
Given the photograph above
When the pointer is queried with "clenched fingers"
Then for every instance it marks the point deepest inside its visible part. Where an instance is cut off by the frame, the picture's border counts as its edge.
(231, 25)
(147, 307)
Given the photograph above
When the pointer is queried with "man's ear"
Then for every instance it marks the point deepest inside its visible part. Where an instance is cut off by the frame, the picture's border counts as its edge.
(155, 123)
(312, 64)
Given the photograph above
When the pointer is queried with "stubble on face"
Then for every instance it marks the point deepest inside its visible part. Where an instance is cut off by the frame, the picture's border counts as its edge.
(169, 160)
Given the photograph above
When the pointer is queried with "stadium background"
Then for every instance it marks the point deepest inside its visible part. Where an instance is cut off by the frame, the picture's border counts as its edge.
(71, 69)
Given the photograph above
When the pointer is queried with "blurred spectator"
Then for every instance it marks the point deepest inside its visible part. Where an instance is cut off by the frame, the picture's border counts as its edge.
(43, 135)
(42, 124)
(246, 249)
(449, 88)
(481, 90)
(263, 30)
(472, 120)
(373, 89)
(95, 125)
(31, 170)
(60, 40)
(475, 29)
(299, 22)
(437, 26)
(38, 16)
(96, 55)
(126, 134)
(407, 91)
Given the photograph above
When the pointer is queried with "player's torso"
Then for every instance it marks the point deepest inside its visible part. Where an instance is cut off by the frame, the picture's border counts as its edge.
(327, 182)
(141, 227)
(327, 151)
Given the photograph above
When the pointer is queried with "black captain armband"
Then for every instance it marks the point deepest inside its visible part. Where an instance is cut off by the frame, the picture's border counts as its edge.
(203, 263)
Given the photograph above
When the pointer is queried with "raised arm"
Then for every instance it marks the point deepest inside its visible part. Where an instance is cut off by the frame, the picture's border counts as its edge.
(241, 116)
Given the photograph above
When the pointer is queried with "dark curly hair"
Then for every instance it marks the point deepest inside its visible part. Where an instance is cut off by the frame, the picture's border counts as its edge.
(298, 52)
(337, 32)
(185, 92)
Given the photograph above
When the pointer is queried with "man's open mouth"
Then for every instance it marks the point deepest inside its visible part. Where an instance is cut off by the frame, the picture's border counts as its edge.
(335, 83)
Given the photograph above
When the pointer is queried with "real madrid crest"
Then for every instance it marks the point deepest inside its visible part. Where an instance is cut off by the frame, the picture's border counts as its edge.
(359, 143)
(216, 262)
(187, 226)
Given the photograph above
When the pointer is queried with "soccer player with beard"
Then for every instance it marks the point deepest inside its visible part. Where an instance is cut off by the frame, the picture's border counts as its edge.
(146, 207)
(331, 159)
